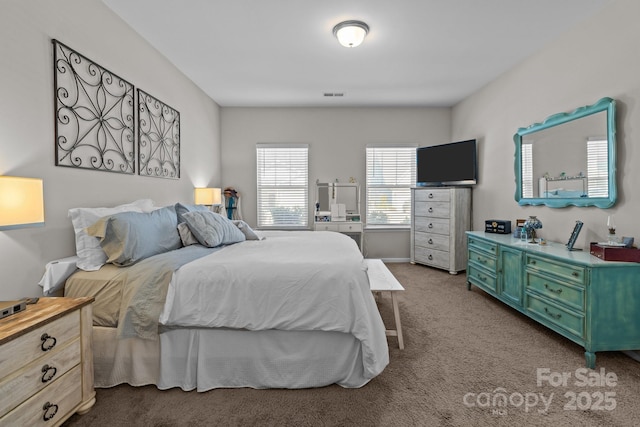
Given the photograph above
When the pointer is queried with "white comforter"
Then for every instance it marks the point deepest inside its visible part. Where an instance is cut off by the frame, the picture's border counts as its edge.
(288, 281)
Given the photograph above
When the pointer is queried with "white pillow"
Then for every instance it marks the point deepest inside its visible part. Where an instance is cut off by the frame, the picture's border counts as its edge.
(90, 254)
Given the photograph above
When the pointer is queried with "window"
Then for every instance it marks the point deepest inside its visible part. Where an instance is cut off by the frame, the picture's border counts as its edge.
(283, 175)
(391, 172)
(597, 167)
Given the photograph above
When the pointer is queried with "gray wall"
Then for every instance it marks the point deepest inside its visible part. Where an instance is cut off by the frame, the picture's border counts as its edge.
(596, 59)
(337, 138)
(27, 126)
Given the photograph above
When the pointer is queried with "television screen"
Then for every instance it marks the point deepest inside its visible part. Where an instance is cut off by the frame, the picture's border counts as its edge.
(447, 164)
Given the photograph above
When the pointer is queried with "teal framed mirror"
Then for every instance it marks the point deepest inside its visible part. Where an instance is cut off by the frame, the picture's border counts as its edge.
(569, 159)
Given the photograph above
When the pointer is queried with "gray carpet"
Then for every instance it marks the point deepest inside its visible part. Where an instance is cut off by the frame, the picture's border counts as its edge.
(463, 351)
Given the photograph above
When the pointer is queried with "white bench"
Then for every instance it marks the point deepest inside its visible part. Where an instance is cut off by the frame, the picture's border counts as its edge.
(381, 280)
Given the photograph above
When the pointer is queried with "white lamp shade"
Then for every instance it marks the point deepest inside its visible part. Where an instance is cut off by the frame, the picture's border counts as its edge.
(351, 33)
(21, 202)
(208, 196)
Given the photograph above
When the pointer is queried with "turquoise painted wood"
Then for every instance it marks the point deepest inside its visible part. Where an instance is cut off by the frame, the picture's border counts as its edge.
(592, 302)
(604, 104)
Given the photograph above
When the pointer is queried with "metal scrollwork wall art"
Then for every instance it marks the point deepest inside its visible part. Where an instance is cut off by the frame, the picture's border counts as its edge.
(94, 115)
(158, 138)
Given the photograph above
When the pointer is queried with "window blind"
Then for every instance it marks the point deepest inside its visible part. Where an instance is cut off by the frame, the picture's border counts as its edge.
(527, 170)
(390, 174)
(283, 176)
(597, 168)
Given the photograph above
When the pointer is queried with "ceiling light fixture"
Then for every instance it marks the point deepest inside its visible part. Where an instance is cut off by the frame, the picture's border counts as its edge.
(351, 33)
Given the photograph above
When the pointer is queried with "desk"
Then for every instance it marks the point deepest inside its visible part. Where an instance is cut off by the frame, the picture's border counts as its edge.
(381, 280)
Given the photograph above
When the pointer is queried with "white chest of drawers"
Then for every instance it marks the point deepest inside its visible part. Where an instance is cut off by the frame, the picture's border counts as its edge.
(439, 219)
(46, 363)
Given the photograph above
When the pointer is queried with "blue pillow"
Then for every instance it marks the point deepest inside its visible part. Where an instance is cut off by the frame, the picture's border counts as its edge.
(212, 229)
(129, 237)
(183, 209)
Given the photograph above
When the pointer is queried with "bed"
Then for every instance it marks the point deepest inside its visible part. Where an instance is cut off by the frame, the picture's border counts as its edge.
(272, 310)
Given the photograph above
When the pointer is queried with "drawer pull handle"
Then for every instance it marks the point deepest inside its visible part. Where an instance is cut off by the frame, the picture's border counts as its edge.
(48, 372)
(46, 338)
(533, 262)
(430, 257)
(483, 278)
(430, 225)
(50, 411)
(554, 315)
(431, 241)
(484, 261)
(430, 210)
(557, 291)
(431, 195)
(575, 274)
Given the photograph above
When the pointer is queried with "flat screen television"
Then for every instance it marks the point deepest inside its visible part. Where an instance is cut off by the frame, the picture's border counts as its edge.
(447, 164)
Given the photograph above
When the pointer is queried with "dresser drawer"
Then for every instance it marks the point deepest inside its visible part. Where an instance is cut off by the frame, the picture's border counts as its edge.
(34, 344)
(563, 293)
(482, 259)
(483, 245)
(481, 278)
(40, 373)
(433, 209)
(431, 225)
(50, 405)
(432, 241)
(431, 257)
(434, 195)
(554, 315)
(565, 271)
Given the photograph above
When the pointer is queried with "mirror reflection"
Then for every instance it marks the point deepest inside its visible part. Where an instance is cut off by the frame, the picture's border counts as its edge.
(569, 159)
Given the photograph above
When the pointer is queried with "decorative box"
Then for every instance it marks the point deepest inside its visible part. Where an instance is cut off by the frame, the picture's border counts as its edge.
(615, 253)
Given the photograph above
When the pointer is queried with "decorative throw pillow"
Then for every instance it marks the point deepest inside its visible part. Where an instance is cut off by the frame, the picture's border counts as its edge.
(246, 230)
(182, 209)
(186, 235)
(129, 237)
(212, 229)
(90, 255)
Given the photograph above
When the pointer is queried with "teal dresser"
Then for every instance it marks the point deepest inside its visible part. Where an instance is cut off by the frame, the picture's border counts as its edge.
(592, 302)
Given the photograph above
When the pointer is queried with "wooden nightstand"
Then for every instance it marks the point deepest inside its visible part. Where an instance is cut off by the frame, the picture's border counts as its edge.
(46, 362)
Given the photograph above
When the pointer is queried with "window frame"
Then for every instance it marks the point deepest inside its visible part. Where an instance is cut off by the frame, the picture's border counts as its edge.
(261, 187)
(411, 182)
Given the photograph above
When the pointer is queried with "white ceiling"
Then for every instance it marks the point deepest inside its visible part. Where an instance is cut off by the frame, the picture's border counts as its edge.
(283, 53)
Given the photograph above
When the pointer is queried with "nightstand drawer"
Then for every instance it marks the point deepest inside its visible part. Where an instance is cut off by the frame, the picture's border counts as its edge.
(431, 225)
(50, 405)
(565, 271)
(554, 315)
(42, 372)
(563, 293)
(34, 344)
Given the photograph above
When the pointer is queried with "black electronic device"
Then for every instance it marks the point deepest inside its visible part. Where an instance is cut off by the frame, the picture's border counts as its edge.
(574, 236)
(453, 164)
(7, 308)
(500, 226)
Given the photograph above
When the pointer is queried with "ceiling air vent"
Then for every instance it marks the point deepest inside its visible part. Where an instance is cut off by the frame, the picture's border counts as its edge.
(333, 94)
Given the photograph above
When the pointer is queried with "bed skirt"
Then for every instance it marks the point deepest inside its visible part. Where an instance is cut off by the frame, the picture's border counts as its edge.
(203, 359)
